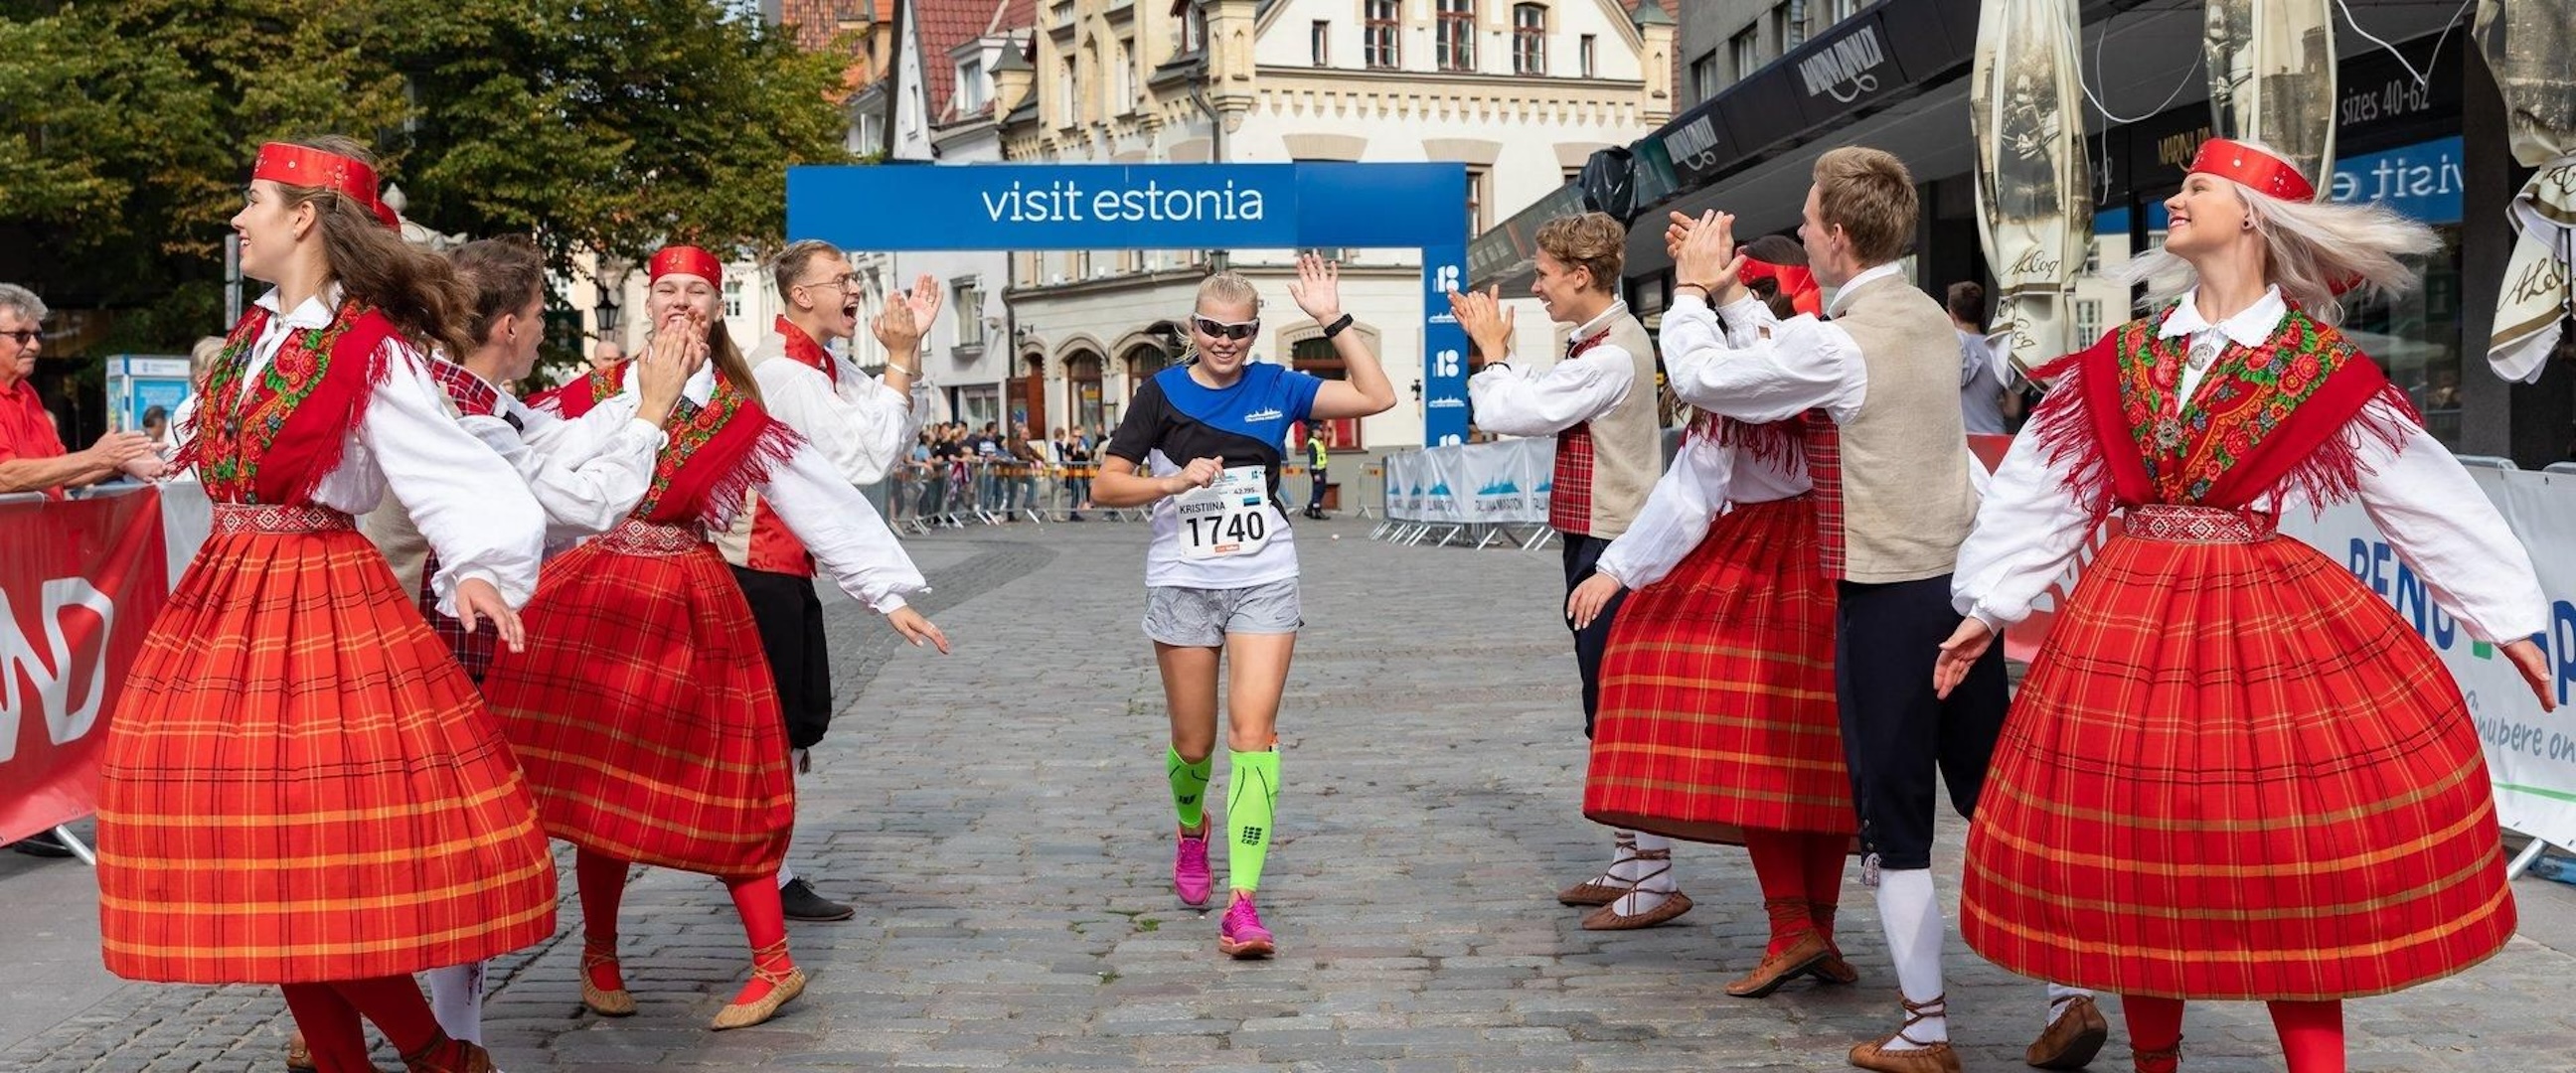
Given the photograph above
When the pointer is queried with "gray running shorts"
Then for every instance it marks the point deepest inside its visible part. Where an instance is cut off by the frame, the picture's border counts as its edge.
(1200, 618)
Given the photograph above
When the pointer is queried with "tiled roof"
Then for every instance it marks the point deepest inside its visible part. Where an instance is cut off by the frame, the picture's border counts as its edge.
(945, 24)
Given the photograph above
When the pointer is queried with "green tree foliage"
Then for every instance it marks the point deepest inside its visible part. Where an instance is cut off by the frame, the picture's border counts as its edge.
(127, 129)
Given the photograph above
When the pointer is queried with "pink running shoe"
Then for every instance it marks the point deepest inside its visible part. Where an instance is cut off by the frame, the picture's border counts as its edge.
(1241, 936)
(1190, 870)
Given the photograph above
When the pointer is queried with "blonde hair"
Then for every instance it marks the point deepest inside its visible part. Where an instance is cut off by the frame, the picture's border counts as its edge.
(2308, 248)
(1594, 241)
(1869, 194)
(1230, 288)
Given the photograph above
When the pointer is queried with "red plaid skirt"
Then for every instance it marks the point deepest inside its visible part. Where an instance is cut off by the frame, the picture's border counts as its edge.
(644, 712)
(1717, 691)
(300, 785)
(2234, 773)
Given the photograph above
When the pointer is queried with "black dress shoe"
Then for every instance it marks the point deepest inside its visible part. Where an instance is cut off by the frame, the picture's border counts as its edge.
(800, 902)
(42, 844)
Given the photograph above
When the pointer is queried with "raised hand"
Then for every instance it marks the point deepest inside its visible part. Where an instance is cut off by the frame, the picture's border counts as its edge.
(1486, 320)
(1707, 257)
(1317, 287)
(662, 371)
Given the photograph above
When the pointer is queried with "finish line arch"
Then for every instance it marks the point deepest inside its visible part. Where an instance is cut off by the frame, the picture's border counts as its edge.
(896, 208)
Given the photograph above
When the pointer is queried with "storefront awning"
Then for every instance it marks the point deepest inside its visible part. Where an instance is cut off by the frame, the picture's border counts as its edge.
(1887, 52)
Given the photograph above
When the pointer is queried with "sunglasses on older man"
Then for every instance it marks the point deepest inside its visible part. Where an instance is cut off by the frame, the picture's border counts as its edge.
(1226, 329)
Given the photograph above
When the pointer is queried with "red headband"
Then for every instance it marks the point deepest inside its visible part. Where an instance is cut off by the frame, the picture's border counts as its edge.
(2253, 167)
(303, 165)
(687, 260)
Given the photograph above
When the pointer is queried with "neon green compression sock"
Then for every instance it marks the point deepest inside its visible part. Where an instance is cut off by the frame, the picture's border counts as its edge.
(1251, 800)
(1189, 786)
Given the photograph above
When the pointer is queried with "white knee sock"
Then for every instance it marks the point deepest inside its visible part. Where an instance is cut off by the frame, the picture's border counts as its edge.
(797, 762)
(2058, 996)
(1911, 915)
(1633, 869)
(456, 999)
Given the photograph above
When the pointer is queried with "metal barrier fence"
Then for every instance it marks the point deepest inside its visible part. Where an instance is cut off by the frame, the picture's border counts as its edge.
(920, 497)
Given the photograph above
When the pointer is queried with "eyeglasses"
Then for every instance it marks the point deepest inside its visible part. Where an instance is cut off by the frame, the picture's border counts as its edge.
(1226, 329)
(23, 336)
(843, 282)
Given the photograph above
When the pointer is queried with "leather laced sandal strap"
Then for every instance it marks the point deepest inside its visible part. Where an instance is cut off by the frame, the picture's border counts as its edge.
(1663, 855)
(1918, 1012)
(2158, 1060)
(761, 956)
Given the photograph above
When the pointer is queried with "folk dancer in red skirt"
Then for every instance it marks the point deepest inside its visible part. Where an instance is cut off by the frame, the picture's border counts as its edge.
(301, 786)
(586, 473)
(862, 425)
(1876, 386)
(1598, 401)
(1718, 721)
(643, 707)
(2233, 772)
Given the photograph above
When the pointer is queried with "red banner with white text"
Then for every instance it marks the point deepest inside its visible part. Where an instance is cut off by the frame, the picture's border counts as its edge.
(80, 582)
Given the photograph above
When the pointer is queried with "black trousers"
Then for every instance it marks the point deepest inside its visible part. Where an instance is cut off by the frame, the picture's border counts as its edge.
(1896, 735)
(1582, 553)
(1315, 496)
(790, 619)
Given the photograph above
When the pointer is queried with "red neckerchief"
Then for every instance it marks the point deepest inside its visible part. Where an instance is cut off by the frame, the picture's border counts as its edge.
(805, 350)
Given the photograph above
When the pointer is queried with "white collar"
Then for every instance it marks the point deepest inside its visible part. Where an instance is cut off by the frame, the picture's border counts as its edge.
(2248, 328)
(1842, 294)
(316, 312)
(1600, 323)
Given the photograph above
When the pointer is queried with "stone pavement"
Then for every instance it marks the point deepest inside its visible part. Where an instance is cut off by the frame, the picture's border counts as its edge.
(997, 818)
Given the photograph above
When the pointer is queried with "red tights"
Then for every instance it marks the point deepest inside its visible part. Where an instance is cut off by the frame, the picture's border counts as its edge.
(602, 881)
(2311, 1032)
(1801, 873)
(328, 1015)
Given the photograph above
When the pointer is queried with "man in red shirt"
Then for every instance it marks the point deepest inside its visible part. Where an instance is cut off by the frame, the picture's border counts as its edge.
(31, 453)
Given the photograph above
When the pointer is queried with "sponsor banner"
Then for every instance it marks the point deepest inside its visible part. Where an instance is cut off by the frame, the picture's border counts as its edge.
(80, 582)
(2531, 756)
(1501, 482)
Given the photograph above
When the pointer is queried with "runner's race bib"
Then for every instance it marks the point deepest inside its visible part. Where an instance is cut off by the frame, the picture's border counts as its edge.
(1230, 517)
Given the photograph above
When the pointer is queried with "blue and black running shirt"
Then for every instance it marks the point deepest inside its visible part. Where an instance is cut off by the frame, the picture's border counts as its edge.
(1174, 419)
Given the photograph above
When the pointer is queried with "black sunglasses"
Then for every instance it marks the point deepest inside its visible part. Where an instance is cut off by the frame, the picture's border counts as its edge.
(24, 336)
(1226, 329)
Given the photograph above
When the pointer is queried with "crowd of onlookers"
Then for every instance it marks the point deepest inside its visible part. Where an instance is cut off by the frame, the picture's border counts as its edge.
(959, 471)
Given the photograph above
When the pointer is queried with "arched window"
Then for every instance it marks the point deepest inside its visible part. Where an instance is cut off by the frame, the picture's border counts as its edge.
(1082, 389)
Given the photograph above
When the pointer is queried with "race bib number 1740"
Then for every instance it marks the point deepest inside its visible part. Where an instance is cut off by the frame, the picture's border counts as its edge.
(1230, 517)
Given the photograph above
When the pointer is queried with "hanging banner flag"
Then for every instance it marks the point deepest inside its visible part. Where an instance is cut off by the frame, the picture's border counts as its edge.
(2272, 77)
(2034, 189)
(2531, 47)
(80, 582)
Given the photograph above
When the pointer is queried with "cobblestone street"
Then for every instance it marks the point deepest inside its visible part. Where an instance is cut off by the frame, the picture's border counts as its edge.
(996, 818)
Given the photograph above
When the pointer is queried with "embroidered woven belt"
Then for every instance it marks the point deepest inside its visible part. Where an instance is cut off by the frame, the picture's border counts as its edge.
(278, 518)
(632, 537)
(2180, 524)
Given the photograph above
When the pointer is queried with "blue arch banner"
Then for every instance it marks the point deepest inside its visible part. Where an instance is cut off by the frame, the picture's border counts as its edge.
(919, 208)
